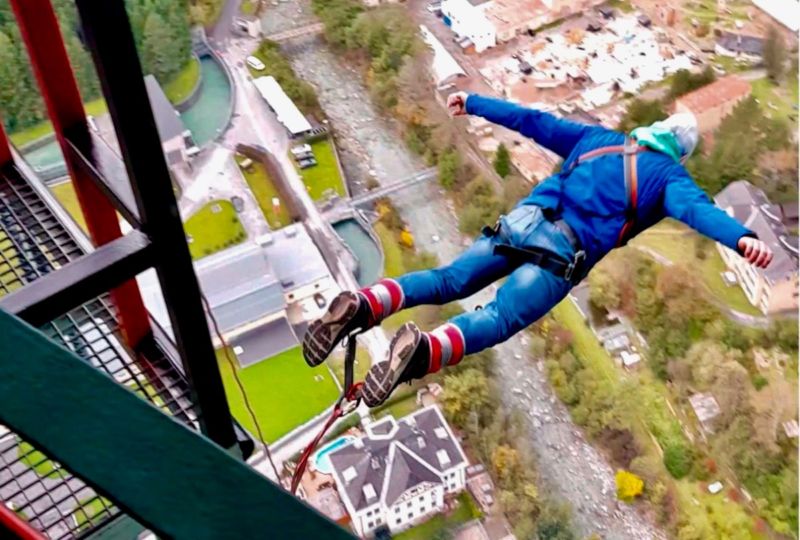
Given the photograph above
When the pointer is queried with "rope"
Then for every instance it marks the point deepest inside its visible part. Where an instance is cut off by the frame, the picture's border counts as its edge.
(242, 391)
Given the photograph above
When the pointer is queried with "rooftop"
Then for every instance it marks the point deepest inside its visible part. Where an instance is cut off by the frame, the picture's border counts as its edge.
(750, 205)
(740, 43)
(706, 408)
(444, 66)
(288, 113)
(395, 456)
(168, 121)
(713, 95)
(293, 257)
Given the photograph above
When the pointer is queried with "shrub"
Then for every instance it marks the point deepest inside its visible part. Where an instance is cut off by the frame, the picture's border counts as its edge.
(678, 460)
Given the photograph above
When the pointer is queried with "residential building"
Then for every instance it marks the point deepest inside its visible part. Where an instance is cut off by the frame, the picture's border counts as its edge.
(469, 20)
(775, 288)
(400, 472)
(786, 12)
(713, 102)
(706, 409)
(444, 68)
(749, 48)
(176, 140)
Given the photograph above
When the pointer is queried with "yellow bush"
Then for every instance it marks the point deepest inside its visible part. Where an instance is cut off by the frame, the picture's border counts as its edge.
(406, 238)
(629, 486)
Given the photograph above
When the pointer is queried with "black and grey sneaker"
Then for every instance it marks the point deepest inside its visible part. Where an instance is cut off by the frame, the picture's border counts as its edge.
(409, 358)
(348, 312)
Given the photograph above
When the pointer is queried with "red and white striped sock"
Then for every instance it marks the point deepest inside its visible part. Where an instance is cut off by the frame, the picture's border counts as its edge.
(384, 298)
(446, 346)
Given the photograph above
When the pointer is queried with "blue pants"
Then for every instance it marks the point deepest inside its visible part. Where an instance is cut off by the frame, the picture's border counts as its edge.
(528, 293)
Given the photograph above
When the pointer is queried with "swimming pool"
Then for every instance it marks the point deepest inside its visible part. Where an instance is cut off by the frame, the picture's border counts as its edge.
(320, 460)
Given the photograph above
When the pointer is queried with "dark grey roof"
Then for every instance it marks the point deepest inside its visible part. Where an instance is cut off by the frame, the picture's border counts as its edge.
(408, 449)
(264, 342)
(239, 285)
(750, 206)
(741, 43)
(293, 256)
(168, 122)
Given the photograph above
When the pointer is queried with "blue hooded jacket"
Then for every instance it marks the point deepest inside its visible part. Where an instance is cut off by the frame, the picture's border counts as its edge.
(592, 198)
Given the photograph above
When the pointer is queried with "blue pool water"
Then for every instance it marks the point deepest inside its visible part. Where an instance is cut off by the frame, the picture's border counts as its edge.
(364, 248)
(209, 115)
(320, 459)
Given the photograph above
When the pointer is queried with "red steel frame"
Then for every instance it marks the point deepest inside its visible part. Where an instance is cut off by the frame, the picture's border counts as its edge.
(12, 523)
(42, 35)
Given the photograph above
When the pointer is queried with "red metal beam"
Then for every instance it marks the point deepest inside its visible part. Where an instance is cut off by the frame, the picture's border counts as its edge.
(5, 149)
(18, 527)
(42, 35)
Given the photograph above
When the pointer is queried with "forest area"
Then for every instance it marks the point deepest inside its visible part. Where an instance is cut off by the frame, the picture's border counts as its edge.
(161, 29)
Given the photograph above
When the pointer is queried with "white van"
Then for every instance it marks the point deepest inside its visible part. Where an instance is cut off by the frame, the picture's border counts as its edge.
(255, 63)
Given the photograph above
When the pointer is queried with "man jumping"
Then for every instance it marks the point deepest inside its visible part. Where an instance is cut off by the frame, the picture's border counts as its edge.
(610, 188)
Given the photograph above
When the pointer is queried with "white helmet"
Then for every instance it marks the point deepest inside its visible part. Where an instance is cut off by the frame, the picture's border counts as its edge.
(684, 127)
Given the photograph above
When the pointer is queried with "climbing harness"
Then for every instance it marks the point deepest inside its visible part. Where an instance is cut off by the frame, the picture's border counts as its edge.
(629, 151)
(347, 403)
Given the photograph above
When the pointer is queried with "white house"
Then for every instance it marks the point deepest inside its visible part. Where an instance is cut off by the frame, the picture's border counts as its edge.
(400, 472)
(470, 21)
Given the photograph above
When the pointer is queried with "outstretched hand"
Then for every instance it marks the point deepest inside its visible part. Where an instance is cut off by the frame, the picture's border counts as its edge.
(755, 251)
(457, 103)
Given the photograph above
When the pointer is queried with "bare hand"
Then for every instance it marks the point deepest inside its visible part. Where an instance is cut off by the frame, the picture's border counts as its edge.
(457, 103)
(755, 251)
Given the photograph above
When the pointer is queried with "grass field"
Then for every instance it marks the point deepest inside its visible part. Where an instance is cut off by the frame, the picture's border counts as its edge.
(65, 193)
(433, 528)
(715, 516)
(775, 100)
(180, 87)
(361, 366)
(398, 406)
(248, 7)
(282, 391)
(23, 137)
(393, 266)
(213, 231)
(677, 243)
(264, 191)
(91, 511)
(325, 175)
(37, 461)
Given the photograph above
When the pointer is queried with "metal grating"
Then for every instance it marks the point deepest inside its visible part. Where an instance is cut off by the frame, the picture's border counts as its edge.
(34, 242)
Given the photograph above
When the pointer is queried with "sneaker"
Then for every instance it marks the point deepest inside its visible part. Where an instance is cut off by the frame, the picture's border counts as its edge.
(409, 359)
(348, 312)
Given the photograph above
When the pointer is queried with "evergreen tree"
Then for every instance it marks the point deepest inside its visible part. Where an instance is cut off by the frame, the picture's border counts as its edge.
(502, 161)
(774, 54)
(82, 67)
(159, 49)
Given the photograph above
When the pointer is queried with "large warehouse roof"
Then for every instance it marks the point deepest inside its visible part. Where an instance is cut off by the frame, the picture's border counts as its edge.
(288, 113)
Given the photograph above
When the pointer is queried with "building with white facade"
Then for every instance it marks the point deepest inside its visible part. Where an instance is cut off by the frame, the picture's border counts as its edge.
(400, 472)
(775, 288)
(469, 20)
(282, 105)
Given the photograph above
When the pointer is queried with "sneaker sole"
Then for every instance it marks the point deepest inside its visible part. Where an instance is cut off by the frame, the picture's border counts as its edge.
(325, 333)
(384, 377)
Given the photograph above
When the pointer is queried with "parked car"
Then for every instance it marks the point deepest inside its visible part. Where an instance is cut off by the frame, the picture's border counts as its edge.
(306, 163)
(301, 157)
(255, 63)
(300, 149)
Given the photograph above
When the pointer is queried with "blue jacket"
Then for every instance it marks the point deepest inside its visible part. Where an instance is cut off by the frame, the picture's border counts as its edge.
(592, 198)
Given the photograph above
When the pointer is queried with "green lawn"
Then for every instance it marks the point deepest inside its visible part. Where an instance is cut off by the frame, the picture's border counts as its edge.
(393, 266)
(213, 228)
(714, 515)
(25, 136)
(264, 191)
(91, 511)
(65, 194)
(37, 461)
(677, 243)
(248, 7)
(325, 175)
(282, 391)
(770, 95)
(584, 342)
(398, 406)
(181, 86)
(466, 511)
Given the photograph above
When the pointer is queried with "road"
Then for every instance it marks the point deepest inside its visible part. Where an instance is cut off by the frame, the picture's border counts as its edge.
(568, 463)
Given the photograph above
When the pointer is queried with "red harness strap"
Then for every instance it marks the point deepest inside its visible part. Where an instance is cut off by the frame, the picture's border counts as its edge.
(629, 152)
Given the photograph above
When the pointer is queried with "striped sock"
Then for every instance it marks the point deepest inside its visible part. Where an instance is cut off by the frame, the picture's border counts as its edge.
(384, 298)
(446, 346)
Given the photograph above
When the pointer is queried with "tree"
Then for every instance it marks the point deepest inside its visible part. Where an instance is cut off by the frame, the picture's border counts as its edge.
(678, 460)
(629, 486)
(641, 113)
(465, 392)
(448, 168)
(502, 161)
(158, 54)
(774, 54)
(505, 462)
